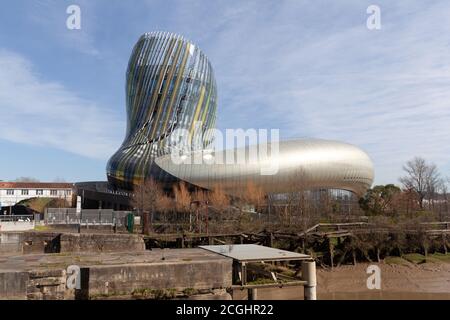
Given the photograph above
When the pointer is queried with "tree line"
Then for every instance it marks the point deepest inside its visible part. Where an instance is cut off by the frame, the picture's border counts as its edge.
(423, 194)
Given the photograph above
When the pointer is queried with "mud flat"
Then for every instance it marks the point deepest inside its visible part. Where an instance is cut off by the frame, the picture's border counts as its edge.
(400, 280)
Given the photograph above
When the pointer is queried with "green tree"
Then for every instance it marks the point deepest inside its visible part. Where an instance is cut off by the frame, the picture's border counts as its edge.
(379, 199)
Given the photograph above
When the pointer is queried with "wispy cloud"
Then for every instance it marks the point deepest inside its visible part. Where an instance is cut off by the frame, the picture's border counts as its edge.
(51, 17)
(44, 113)
(309, 68)
(316, 70)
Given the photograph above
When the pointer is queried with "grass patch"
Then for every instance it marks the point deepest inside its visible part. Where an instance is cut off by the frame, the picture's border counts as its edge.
(261, 281)
(395, 260)
(189, 292)
(156, 294)
(42, 228)
(439, 257)
(415, 258)
(101, 296)
(39, 204)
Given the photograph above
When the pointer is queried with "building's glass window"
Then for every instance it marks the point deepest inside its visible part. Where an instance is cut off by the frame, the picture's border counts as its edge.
(24, 192)
(68, 192)
(10, 192)
(53, 192)
(39, 192)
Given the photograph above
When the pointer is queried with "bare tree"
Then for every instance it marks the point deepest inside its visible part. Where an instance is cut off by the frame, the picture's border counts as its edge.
(165, 205)
(182, 197)
(443, 198)
(218, 199)
(298, 204)
(421, 177)
(254, 195)
(145, 199)
(183, 200)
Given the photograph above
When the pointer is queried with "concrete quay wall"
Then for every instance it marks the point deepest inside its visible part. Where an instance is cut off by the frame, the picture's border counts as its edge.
(110, 275)
(32, 242)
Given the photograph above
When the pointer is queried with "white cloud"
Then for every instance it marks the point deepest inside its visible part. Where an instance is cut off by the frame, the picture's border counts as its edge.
(316, 70)
(51, 16)
(311, 69)
(43, 113)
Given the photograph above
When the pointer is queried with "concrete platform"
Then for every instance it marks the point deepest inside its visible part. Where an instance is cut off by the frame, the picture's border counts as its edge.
(44, 276)
(36, 242)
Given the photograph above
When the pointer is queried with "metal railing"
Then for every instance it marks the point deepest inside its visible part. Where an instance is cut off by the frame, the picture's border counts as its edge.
(5, 218)
(85, 217)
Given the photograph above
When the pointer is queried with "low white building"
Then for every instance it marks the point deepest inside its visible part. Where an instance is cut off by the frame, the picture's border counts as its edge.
(14, 192)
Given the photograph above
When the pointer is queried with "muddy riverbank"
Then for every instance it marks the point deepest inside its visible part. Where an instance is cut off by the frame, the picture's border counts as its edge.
(400, 279)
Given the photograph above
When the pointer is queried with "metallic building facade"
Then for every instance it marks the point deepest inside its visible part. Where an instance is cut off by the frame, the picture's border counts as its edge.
(306, 164)
(170, 85)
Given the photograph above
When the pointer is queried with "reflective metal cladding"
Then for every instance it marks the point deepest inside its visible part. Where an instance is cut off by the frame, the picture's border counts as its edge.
(170, 85)
(300, 165)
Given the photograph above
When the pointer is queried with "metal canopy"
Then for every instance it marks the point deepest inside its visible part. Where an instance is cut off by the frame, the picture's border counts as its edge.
(254, 253)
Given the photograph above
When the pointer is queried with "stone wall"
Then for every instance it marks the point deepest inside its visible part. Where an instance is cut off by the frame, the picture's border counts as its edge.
(53, 242)
(194, 274)
(178, 276)
(74, 227)
(11, 242)
(40, 242)
(16, 225)
(73, 242)
(48, 285)
(13, 285)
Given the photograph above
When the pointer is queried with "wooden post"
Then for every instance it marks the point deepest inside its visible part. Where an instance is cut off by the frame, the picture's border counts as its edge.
(331, 248)
(252, 294)
(236, 271)
(309, 275)
(182, 241)
(244, 274)
(444, 240)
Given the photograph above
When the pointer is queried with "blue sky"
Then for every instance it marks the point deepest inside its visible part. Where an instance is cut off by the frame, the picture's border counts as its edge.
(310, 68)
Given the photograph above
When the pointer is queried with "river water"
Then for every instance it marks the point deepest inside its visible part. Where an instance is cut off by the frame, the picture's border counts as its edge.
(296, 293)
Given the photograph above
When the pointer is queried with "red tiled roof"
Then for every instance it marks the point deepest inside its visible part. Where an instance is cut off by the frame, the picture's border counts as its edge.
(35, 185)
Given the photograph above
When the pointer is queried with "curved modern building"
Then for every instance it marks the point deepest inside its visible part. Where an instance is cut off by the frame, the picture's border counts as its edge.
(170, 88)
(170, 85)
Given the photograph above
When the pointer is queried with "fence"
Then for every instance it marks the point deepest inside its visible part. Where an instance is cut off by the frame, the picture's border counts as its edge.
(85, 217)
(4, 218)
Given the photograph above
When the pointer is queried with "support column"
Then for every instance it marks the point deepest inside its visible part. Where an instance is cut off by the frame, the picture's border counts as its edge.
(244, 273)
(252, 294)
(309, 275)
(331, 249)
(444, 242)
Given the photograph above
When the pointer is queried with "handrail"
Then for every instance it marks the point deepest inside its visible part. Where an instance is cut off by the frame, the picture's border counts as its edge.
(270, 285)
(12, 217)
